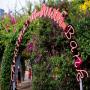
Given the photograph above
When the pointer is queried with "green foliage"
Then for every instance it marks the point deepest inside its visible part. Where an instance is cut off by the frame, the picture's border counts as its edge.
(6, 67)
(50, 64)
(45, 71)
(81, 24)
(56, 59)
(7, 45)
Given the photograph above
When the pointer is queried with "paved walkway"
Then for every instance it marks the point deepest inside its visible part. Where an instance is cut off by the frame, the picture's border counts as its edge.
(25, 85)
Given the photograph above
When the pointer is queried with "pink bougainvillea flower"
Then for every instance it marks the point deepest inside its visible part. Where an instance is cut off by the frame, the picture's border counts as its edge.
(30, 46)
(12, 18)
(38, 58)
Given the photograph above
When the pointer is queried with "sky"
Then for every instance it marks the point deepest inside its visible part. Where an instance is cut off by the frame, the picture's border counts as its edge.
(11, 4)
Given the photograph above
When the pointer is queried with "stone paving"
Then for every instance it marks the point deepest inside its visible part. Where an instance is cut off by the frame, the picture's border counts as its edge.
(25, 85)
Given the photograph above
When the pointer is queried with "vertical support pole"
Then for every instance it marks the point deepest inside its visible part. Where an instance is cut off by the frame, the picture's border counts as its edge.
(14, 85)
(81, 87)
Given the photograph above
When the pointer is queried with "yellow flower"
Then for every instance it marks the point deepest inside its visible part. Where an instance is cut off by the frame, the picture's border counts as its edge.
(85, 6)
(87, 3)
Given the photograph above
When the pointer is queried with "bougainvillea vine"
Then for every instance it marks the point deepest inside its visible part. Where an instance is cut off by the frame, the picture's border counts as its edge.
(68, 30)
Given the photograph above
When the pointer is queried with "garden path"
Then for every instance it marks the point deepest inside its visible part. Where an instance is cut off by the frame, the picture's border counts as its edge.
(25, 85)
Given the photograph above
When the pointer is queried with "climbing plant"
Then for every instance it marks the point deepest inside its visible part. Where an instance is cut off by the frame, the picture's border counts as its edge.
(51, 59)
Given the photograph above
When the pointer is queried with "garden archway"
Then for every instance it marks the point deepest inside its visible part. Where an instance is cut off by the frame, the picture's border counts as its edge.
(68, 30)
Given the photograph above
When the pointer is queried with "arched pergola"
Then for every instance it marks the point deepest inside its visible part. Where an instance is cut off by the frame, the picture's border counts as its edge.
(68, 30)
